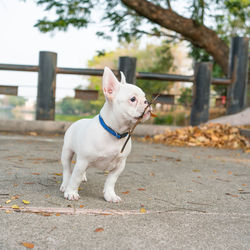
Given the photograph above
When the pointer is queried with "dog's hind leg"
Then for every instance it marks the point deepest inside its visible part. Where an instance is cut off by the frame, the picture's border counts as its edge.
(84, 178)
(66, 158)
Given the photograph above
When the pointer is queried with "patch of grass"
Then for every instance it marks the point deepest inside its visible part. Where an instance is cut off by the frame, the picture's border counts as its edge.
(180, 119)
(175, 118)
(70, 118)
(167, 120)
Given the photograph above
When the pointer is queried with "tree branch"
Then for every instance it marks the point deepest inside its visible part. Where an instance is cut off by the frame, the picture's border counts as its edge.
(198, 35)
(169, 5)
(159, 34)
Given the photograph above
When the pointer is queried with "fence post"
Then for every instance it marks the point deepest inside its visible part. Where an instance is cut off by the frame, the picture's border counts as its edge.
(201, 93)
(45, 105)
(238, 67)
(128, 66)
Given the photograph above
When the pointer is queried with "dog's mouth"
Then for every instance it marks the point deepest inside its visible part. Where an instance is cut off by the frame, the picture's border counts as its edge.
(147, 111)
(144, 114)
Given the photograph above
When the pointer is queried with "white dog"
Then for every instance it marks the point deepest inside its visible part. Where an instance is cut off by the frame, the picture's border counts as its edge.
(98, 142)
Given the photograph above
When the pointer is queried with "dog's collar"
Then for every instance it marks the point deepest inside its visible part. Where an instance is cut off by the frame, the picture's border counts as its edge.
(110, 130)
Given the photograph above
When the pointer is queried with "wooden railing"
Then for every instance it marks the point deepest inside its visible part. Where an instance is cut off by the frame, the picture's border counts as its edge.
(202, 79)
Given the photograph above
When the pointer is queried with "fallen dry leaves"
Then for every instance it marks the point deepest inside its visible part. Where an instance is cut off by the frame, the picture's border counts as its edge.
(28, 245)
(196, 170)
(152, 174)
(99, 229)
(126, 192)
(57, 174)
(232, 195)
(15, 197)
(26, 202)
(15, 206)
(206, 135)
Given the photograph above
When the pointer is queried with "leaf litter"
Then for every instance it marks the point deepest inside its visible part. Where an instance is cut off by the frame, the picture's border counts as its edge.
(206, 135)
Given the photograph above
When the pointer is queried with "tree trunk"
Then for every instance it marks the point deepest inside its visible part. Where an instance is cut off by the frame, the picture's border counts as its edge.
(198, 35)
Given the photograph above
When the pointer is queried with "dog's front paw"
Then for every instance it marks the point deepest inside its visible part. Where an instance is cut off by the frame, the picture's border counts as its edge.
(71, 195)
(111, 197)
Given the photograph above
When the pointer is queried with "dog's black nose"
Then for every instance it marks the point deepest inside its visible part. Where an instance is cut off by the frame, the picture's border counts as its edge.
(145, 102)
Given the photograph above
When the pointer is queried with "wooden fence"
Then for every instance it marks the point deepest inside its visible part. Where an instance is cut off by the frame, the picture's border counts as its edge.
(236, 81)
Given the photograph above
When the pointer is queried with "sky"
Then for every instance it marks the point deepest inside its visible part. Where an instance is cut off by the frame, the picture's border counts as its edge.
(20, 43)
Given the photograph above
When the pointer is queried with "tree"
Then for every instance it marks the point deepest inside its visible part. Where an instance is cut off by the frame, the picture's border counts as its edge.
(208, 24)
(13, 101)
(185, 97)
(72, 106)
(152, 58)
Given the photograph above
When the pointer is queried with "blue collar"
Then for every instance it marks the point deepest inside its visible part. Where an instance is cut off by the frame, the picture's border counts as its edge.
(110, 130)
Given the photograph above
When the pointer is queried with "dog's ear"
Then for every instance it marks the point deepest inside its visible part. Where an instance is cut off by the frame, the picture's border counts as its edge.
(109, 84)
(123, 78)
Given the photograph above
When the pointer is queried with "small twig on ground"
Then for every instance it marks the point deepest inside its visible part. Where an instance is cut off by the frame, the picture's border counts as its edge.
(43, 184)
(200, 204)
(179, 207)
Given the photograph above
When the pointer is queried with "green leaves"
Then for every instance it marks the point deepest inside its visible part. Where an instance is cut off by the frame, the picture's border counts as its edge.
(150, 59)
(198, 8)
(71, 106)
(13, 101)
(185, 97)
(74, 13)
(226, 15)
(60, 24)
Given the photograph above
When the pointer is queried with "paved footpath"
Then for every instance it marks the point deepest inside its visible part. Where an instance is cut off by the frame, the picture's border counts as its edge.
(194, 198)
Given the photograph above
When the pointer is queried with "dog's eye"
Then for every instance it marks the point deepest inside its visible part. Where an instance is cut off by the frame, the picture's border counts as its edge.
(133, 99)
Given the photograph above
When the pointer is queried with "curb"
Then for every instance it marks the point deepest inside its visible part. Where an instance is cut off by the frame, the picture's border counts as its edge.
(55, 127)
(40, 127)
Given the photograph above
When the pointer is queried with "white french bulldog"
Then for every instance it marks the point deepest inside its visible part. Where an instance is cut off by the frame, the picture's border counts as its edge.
(98, 142)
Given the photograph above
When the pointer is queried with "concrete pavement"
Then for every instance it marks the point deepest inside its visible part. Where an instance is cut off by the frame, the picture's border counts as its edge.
(194, 198)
